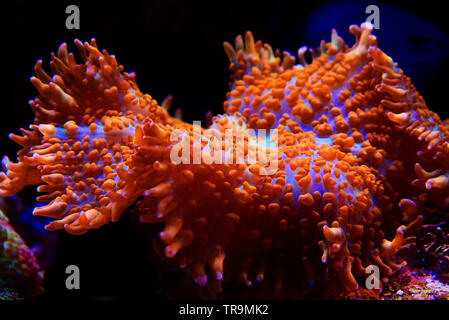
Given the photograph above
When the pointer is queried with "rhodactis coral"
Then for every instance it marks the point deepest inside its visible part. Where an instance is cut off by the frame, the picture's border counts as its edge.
(358, 155)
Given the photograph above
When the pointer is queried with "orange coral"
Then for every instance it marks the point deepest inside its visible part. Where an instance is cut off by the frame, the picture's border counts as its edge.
(356, 147)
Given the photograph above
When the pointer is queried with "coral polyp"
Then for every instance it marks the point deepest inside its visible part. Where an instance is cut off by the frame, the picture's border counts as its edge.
(357, 160)
(20, 275)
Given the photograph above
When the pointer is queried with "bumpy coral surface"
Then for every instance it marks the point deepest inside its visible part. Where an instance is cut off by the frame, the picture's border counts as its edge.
(20, 274)
(358, 158)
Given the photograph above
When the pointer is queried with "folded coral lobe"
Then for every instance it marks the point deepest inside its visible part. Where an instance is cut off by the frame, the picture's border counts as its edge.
(358, 159)
(82, 136)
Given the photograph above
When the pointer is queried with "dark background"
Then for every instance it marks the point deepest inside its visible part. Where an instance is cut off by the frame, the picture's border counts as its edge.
(175, 47)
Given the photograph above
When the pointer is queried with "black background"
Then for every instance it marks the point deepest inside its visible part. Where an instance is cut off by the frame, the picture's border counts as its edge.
(175, 47)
